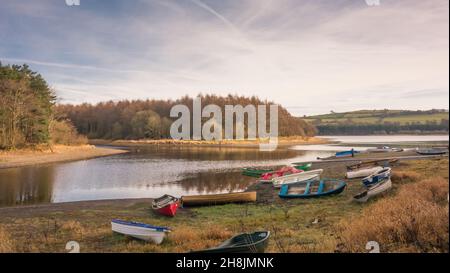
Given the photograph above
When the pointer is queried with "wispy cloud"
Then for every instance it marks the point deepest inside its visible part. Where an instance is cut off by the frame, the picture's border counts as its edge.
(311, 55)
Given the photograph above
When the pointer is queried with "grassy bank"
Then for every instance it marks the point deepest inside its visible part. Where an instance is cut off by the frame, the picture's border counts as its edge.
(55, 153)
(413, 216)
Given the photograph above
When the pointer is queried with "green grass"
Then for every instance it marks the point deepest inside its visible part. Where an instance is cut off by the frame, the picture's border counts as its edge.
(380, 116)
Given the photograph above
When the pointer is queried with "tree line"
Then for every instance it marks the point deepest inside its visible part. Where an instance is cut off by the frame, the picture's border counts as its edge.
(139, 119)
(26, 110)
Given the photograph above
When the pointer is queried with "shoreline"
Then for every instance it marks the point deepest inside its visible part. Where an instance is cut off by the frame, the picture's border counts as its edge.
(282, 142)
(58, 154)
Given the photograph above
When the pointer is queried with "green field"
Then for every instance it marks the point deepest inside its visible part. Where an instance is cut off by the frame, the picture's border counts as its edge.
(381, 117)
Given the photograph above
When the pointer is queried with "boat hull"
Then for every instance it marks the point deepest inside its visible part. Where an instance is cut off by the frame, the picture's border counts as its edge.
(373, 191)
(218, 199)
(169, 210)
(378, 177)
(243, 243)
(139, 231)
(166, 205)
(295, 178)
(312, 189)
(363, 172)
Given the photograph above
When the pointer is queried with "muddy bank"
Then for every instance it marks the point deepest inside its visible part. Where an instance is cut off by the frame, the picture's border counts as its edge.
(59, 153)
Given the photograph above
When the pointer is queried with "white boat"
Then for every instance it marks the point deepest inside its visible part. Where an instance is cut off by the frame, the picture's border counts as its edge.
(140, 231)
(373, 191)
(363, 172)
(296, 177)
(384, 149)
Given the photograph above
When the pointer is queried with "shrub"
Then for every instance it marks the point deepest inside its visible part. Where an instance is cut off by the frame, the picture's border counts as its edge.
(63, 132)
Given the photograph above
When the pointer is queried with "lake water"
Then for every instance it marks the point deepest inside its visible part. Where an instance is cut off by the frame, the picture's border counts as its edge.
(153, 171)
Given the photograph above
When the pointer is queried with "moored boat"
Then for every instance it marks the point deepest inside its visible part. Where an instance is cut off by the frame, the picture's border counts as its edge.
(432, 151)
(312, 188)
(166, 205)
(218, 199)
(377, 177)
(362, 172)
(140, 231)
(298, 177)
(373, 191)
(350, 153)
(255, 242)
(279, 173)
(302, 166)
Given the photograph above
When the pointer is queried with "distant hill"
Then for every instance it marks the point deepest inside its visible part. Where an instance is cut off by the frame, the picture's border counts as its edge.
(381, 122)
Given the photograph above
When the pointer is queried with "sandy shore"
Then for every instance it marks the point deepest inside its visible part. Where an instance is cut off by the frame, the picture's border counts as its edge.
(59, 153)
(282, 142)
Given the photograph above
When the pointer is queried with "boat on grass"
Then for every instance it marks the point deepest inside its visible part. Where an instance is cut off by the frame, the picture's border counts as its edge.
(384, 149)
(149, 233)
(255, 242)
(285, 171)
(166, 205)
(379, 162)
(363, 172)
(350, 153)
(298, 177)
(218, 199)
(253, 172)
(373, 191)
(432, 151)
(302, 166)
(377, 177)
(312, 188)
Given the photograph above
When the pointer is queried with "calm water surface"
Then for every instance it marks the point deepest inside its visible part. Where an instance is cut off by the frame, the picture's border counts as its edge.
(153, 171)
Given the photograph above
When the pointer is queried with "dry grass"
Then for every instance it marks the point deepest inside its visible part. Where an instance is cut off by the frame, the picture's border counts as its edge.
(415, 220)
(6, 243)
(402, 177)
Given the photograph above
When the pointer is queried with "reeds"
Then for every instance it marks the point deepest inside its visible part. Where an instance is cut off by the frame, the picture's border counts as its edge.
(415, 220)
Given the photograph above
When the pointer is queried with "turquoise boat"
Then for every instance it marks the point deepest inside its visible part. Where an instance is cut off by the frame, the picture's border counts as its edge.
(312, 188)
(350, 153)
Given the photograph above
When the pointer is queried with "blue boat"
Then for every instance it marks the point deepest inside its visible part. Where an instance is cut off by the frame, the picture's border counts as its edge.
(350, 153)
(312, 188)
(377, 177)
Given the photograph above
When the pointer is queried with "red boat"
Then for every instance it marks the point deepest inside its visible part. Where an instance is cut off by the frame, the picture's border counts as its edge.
(166, 205)
(281, 172)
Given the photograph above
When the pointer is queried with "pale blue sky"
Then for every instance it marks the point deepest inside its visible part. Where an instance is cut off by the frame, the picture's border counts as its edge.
(312, 56)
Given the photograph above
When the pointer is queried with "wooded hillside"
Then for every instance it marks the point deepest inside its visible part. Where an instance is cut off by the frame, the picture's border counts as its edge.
(151, 118)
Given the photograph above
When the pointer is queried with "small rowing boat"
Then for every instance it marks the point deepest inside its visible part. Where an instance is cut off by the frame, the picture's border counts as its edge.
(298, 177)
(140, 231)
(312, 188)
(255, 172)
(373, 191)
(431, 151)
(379, 162)
(384, 149)
(377, 177)
(362, 172)
(218, 199)
(255, 242)
(267, 177)
(166, 205)
(350, 153)
(302, 166)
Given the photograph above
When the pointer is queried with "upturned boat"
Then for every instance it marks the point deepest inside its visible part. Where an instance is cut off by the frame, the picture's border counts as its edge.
(377, 177)
(140, 231)
(298, 177)
(166, 205)
(312, 188)
(373, 191)
(255, 242)
(349, 153)
(218, 199)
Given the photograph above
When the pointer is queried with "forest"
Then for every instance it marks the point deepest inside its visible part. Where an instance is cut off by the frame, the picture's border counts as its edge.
(151, 119)
(27, 114)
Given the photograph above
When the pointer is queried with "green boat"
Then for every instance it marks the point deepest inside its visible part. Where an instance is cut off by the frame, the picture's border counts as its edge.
(253, 172)
(302, 166)
(243, 243)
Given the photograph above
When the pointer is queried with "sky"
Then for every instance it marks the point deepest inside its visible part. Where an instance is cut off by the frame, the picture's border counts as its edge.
(311, 56)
